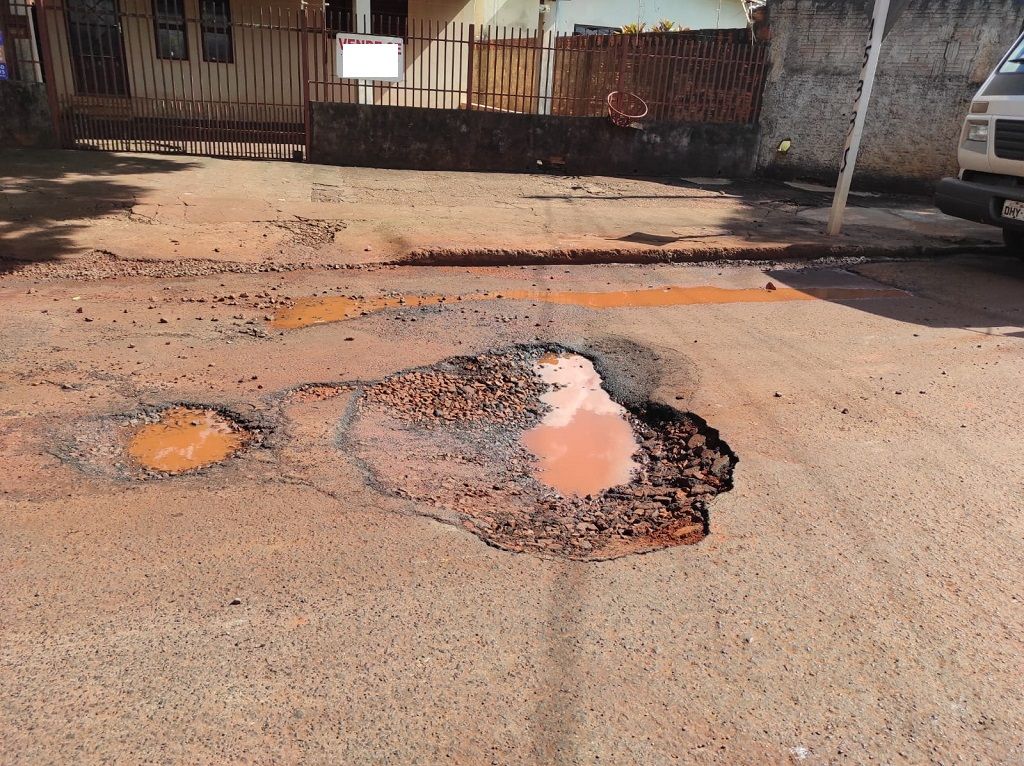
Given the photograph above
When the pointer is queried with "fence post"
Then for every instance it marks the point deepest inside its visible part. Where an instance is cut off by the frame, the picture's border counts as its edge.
(304, 67)
(623, 53)
(542, 59)
(469, 71)
(49, 72)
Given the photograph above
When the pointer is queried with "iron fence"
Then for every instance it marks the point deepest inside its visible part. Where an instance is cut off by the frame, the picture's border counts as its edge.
(687, 76)
(704, 76)
(236, 79)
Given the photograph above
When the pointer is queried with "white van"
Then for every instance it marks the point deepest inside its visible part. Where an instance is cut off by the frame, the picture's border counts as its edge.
(990, 188)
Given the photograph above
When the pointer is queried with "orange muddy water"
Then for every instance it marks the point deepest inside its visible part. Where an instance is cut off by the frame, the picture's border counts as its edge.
(585, 444)
(311, 311)
(184, 439)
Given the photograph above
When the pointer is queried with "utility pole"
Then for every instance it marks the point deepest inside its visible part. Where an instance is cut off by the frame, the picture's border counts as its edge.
(860, 111)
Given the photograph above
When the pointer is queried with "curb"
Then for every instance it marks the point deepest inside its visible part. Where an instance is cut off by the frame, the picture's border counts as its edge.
(635, 256)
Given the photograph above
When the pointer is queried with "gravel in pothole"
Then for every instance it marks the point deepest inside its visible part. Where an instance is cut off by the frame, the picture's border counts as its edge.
(451, 438)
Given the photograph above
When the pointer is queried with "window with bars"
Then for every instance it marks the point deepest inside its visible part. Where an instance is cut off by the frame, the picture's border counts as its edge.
(389, 17)
(169, 24)
(338, 17)
(215, 25)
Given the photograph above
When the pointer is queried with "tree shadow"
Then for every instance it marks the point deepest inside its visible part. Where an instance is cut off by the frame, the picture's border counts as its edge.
(48, 196)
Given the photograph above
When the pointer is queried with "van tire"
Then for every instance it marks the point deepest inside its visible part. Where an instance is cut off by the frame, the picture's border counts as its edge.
(1014, 239)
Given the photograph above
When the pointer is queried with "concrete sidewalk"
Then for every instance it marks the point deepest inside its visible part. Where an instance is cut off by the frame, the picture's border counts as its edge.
(60, 205)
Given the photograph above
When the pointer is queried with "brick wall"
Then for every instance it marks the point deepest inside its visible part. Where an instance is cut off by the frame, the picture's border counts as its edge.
(933, 61)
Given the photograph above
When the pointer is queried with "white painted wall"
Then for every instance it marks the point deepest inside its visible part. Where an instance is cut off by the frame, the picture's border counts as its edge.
(565, 14)
(514, 13)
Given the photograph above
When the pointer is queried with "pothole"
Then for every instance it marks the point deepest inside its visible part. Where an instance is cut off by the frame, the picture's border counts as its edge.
(308, 232)
(184, 439)
(528, 450)
(160, 441)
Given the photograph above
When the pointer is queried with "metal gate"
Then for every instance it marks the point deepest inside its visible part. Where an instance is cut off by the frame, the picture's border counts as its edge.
(176, 76)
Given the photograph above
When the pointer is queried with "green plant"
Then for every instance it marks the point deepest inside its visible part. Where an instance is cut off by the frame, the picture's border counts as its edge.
(664, 26)
(633, 29)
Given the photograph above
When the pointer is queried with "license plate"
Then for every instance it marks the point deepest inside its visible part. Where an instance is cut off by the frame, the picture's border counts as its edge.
(1013, 210)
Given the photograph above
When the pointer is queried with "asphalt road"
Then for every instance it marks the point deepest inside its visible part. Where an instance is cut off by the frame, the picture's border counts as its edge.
(858, 599)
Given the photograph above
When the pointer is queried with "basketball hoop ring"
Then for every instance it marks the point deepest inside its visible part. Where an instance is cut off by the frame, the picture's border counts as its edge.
(624, 109)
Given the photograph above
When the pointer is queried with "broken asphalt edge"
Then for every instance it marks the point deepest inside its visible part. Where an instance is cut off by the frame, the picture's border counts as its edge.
(588, 256)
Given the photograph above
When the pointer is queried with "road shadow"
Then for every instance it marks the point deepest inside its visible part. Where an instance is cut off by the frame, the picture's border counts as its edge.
(983, 293)
(48, 196)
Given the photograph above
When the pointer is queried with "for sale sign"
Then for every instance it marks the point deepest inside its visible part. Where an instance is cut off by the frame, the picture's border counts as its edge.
(370, 57)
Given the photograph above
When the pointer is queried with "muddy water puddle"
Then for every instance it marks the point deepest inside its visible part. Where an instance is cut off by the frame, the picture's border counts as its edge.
(322, 310)
(184, 439)
(585, 443)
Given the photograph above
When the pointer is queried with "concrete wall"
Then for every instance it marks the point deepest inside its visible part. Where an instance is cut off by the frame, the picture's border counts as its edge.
(434, 139)
(25, 116)
(933, 61)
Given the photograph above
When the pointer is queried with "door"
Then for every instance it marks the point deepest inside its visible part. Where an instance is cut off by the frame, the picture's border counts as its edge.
(97, 48)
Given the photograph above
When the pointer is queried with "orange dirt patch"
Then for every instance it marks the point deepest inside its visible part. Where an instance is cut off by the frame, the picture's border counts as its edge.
(311, 311)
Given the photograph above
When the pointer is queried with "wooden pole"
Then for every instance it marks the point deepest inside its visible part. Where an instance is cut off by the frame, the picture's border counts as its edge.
(860, 110)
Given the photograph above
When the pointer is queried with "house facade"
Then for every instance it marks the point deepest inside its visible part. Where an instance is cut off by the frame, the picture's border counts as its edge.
(596, 16)
(250, 51)
(210, 70)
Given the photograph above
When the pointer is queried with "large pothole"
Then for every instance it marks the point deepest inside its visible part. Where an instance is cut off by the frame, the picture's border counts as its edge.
(527, 450)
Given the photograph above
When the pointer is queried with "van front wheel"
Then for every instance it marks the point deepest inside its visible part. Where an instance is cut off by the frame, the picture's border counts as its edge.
(1014, 239)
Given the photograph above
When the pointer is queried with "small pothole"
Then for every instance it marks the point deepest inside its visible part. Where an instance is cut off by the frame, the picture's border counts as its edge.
(159, 441)
(184, 439)
(485, 442)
